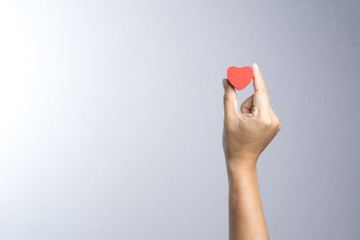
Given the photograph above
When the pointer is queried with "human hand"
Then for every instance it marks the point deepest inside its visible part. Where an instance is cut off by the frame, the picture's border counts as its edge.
(246, 135)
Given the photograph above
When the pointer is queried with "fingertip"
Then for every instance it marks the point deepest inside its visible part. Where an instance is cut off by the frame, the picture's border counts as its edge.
(256, 69)
(227, 85)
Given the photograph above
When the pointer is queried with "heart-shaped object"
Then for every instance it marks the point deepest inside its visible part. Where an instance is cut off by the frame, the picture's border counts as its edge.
(240, 77)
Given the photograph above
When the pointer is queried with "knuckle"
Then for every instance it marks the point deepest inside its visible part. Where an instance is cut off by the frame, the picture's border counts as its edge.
(266, 122)
(277, 125)
(226, 98)
(277, 122)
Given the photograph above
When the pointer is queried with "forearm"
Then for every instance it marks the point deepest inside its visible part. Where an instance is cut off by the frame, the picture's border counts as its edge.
(246, 217)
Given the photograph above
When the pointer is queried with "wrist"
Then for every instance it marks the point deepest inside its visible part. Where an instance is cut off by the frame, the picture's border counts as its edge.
(240, 167)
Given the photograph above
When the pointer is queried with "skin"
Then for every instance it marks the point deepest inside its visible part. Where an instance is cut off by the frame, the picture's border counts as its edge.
(245, 136)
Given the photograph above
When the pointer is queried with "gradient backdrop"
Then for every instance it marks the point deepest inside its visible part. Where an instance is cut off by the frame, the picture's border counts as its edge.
(111, 117)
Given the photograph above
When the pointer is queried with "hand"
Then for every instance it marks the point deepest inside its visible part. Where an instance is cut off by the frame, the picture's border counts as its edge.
(246, 135)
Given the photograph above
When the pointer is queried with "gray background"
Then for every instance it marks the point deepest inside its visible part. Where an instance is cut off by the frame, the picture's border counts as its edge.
(111, 117)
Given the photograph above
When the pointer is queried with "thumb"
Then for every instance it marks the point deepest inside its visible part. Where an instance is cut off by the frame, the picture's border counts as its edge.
(261, 96)
(231, 104)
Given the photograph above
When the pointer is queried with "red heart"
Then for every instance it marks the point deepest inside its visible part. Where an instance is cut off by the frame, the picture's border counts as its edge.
(240, 77)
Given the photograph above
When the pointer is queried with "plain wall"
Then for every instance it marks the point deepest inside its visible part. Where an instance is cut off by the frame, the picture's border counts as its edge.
(111, 117)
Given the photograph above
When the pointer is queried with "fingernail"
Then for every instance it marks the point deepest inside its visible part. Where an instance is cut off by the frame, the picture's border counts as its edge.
(254, 111)
(256, 66)
(225, 83)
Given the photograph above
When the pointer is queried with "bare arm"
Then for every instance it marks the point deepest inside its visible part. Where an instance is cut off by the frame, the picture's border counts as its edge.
(245, 136)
